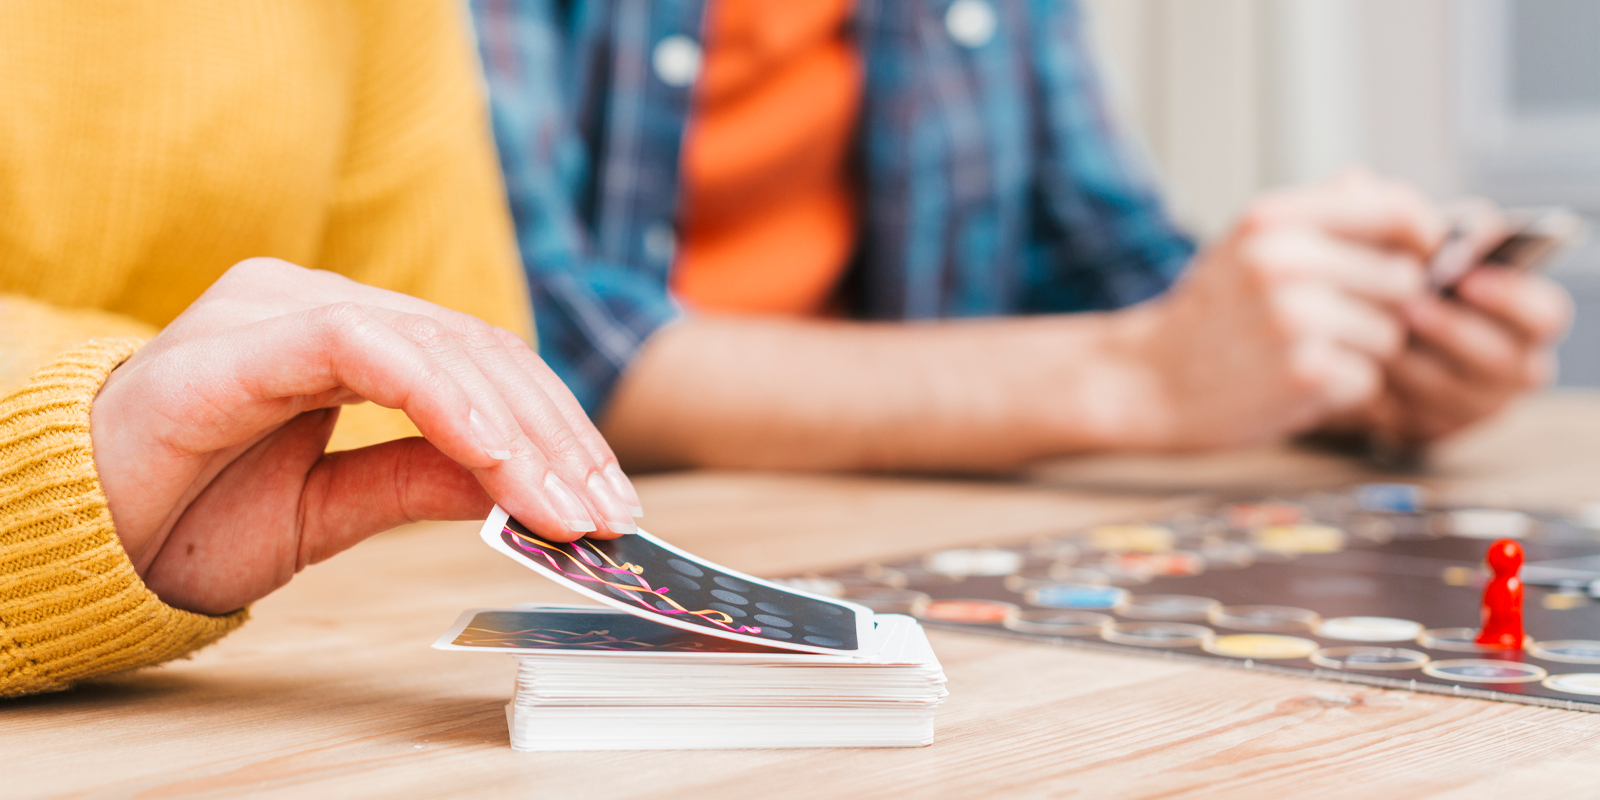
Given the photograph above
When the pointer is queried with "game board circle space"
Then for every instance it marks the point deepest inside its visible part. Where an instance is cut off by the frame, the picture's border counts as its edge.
(884, 576)
(1228, 555)
(1370, 629)
(1055, 549)
(1459, 640)
(1574, 683)
(1260, 646)
(1168, 607)
(1369, 658)
(1480, 670)
(1050, 622)
(1263, 618)
(1193, 525)
(1100, 575)
(1156, 634)
(971, 612)
(1081, 596)
(1570, 651)
(916, 574)
(1055, 572)
(1489, 523)
(1092, 577)
(974, 561)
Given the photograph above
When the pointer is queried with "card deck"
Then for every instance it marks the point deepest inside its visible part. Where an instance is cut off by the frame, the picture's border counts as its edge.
(609, 700)
(688, 654)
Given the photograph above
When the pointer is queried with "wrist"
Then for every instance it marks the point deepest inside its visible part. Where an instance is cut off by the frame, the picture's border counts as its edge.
(1142, 410)
(1112, 395)
(119, 467)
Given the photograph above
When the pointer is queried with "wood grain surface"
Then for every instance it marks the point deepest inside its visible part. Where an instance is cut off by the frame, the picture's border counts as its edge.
(332, 690)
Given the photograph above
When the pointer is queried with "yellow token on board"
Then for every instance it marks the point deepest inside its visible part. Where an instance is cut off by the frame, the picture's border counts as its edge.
(1296, 539)
(1261, 645)
(1132, 538)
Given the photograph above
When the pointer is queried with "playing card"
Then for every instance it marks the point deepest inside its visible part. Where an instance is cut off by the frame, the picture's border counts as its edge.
(651, 579)
(586, 629)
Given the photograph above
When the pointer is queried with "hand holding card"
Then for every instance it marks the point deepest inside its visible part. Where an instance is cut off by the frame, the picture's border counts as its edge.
(1523, 240)
(1483, 338)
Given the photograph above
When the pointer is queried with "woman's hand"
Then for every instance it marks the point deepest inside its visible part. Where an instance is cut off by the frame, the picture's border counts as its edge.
(210, 440)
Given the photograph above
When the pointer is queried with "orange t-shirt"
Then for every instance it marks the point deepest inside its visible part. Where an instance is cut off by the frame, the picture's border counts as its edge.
(768, 221)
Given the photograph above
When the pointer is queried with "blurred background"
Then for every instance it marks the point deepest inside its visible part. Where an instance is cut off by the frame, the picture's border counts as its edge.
(1493, 97)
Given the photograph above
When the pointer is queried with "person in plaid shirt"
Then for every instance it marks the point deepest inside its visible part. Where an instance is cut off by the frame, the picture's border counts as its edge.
(903, 234)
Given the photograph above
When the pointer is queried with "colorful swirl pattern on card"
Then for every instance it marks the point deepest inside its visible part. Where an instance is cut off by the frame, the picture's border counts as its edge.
(649, 577)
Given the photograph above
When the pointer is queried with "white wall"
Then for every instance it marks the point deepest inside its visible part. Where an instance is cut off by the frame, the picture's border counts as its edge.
(1231, 97)
(1234, 96)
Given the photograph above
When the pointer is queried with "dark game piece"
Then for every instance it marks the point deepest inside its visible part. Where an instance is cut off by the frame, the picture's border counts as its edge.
(1502, 598)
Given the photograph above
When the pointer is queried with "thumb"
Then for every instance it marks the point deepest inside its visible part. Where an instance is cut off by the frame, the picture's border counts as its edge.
(353, 494)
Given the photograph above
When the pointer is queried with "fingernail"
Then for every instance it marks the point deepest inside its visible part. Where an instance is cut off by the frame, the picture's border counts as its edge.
(488, 438)
(613, 511)
(623, 488)
(567, 505)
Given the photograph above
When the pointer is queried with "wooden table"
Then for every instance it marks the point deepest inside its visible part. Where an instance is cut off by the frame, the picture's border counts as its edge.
(332, 690)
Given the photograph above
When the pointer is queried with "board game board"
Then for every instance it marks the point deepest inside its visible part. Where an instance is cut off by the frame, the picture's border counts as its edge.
(1372, 585)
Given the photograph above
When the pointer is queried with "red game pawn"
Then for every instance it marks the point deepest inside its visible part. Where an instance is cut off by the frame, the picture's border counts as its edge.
(1502, 598)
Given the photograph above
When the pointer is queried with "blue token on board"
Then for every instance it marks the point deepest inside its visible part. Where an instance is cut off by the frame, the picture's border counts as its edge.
(1397, 498)
(1077, 595)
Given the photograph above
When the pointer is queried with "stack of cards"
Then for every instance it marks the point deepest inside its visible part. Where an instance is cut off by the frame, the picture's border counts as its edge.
(698, 656)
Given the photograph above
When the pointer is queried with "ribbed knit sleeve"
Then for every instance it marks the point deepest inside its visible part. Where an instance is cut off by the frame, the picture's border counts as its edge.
(71, 605)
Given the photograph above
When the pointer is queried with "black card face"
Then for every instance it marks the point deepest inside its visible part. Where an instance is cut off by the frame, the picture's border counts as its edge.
(651, 579)
(612, 631)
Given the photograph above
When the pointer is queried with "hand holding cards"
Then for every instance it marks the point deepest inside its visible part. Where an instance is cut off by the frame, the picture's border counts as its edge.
(696, 656)
(1524, 240)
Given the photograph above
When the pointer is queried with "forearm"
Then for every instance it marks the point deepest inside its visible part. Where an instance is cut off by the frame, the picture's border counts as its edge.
(951, 395)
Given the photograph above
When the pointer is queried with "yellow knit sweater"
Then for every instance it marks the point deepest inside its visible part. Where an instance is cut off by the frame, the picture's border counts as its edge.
(144, 149)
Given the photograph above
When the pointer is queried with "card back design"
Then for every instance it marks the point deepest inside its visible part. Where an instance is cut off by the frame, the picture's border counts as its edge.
(647, 577)
(589, 631)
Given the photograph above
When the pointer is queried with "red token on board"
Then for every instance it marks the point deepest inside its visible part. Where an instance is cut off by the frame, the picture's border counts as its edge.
(1502, 598)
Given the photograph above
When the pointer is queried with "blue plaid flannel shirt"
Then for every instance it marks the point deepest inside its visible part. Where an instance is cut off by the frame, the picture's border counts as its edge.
(991, 180)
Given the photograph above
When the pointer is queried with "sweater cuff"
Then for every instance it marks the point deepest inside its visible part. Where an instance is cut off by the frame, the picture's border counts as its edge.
(71, 604)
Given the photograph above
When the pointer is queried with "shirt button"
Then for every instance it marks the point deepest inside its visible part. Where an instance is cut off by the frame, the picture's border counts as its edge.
(971, 23)
(660, 243)
(676, 60)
